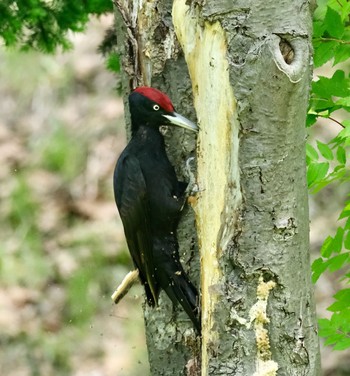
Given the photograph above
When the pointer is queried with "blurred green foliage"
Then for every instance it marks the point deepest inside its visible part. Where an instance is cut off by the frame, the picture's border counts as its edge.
(113, 62)
(22, 221)
(44, 25)
(59, 154)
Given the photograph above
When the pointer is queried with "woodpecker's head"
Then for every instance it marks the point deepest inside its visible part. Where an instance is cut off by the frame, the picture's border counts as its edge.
(149, 106)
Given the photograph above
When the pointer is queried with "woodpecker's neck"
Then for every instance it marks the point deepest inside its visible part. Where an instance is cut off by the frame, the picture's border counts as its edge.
(148, 136)
(136, 126)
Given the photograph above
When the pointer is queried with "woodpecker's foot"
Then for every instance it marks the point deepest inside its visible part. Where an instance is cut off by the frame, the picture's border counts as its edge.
(192, 187)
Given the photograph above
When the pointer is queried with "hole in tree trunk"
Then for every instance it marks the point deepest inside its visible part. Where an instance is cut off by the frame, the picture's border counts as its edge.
(287, 51)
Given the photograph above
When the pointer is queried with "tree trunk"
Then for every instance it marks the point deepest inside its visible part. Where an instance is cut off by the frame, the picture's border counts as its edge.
(249, 75)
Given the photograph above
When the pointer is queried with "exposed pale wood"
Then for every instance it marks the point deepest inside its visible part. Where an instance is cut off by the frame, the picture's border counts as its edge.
(205, 48)
(126, 284)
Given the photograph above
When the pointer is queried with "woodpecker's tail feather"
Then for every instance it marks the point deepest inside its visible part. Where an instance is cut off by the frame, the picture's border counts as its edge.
(182, 291)
(179, 288)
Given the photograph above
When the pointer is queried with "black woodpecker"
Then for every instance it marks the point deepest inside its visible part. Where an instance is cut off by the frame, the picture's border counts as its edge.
(150, 198)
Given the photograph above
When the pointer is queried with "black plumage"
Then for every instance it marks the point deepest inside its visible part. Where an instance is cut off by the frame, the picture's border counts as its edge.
(150, 198)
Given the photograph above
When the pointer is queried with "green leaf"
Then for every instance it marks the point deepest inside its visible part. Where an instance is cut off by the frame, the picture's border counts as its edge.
(336, 330)
(338, 306)
(342, 344)
(337, 85)
(338, 240)
(311, 152)
(318, 267)
(316, 172)
(341, 319)
(320, 11)
(337, 262)
(340, 84)
(322, 106)
(341, 155)
(343, 301)
(347, 241)
(323, 52)
(341, 53)
(310, 119)
(325, 327)
(345, 133)
(333, 23)
(347, 224)
(341, 6)
(344, 102)
(318, 29)
(325, 150)
(343, 294)
(345, 212)
(334, 338)
(326, 249)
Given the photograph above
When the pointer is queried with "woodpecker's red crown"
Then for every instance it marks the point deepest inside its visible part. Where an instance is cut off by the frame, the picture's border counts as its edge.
(156, 96)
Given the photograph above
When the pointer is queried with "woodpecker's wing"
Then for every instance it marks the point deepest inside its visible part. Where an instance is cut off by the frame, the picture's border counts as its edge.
(131, 196)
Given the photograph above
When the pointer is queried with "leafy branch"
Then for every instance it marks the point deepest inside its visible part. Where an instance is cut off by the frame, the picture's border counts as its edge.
(327, 162)
(335, 120)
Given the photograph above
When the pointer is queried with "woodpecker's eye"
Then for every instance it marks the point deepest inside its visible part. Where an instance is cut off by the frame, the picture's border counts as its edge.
(155, 107)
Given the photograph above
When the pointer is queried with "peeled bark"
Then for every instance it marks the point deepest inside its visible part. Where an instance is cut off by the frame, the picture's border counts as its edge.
(249, 70)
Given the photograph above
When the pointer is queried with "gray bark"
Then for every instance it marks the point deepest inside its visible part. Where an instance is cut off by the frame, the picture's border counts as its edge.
(248, 73)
